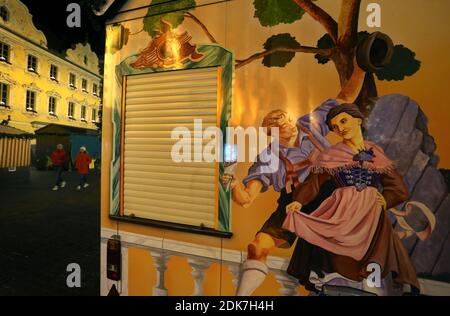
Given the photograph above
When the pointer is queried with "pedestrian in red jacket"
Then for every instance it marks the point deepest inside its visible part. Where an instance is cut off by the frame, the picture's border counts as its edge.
(59, 158)
(82, 162)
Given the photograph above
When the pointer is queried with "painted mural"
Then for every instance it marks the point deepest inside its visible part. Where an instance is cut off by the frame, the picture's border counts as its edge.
(358, 200)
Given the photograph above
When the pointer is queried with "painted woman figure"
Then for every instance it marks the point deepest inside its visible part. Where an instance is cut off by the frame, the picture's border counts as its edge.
(351, 227)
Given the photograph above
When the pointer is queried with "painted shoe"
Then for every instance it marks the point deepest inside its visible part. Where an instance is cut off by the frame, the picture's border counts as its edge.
(55, 188)
(85, 185)
(79, 187)
(63, 184)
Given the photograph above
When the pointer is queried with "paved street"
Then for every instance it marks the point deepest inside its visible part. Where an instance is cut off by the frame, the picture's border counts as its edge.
(42, 231)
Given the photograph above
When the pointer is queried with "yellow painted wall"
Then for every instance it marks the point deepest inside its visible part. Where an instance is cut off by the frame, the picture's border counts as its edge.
(299, 87)
(17, 76)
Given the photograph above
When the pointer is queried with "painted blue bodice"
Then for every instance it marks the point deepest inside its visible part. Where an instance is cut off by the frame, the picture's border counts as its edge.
(357, 175)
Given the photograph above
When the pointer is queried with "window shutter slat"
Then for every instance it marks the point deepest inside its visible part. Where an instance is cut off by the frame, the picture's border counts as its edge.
(159, 187)
(164, 183)
(161, 127)
(140, 171)
(133, 106)
(172, 101)
(181, 88)
(171, 114)
(177, 170)
(136, 118)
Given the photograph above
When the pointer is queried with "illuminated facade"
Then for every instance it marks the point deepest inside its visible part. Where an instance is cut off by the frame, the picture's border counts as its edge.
(39, 87)
(169, 63)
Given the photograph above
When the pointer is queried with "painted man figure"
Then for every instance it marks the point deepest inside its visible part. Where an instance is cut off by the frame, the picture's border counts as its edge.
(294, 151)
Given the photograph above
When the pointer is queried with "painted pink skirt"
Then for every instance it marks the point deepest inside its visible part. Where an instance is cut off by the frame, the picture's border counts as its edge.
(343, 224)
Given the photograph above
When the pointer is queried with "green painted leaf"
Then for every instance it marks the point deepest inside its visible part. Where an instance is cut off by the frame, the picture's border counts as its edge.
(273, 12)
(172, 12)
(280, 59)
(324, 42)
(403, 64)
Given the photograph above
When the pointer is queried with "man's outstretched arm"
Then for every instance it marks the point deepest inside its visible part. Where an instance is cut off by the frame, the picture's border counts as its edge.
(245, 195)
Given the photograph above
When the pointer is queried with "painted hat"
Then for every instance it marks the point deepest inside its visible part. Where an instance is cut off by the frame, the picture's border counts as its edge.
(375, 52)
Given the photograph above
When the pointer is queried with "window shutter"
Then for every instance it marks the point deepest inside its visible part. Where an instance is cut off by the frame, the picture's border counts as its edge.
(156, 187)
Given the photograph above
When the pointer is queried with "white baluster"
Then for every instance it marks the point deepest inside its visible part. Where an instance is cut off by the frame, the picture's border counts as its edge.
(160, 259)
(235, 270)
(288, 284)
(199, 266)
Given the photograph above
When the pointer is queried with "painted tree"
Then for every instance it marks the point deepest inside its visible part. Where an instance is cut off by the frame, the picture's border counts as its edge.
(338, 45)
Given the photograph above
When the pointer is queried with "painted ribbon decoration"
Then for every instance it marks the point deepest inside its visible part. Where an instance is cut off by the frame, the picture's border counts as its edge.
(407, 229)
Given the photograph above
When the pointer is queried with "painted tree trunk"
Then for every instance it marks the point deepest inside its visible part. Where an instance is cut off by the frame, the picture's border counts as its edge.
(343, 61)
(367, 96)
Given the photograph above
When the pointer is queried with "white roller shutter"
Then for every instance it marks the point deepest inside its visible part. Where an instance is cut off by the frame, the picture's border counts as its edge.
(155, 187)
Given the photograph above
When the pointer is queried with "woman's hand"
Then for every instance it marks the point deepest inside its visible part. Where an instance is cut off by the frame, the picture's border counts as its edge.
(381, 201)
(294, 207)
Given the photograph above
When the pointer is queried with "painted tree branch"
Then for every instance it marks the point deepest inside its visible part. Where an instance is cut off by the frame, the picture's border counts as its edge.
(326, 52)
(348, 22)
(203, 26)
(321, 16)
(243, 62)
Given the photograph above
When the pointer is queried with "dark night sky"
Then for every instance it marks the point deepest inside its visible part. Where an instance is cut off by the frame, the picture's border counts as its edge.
(50, 17)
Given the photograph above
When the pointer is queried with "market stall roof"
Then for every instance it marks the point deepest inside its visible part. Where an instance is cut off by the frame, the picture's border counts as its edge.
(56, 129)
(12, 132)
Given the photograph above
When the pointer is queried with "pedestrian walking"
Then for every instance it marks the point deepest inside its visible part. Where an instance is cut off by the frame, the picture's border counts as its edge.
(82, 162)
(59, 159)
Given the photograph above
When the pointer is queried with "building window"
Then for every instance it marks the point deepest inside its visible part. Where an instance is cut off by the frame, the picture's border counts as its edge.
(85, 60)
(4, 13)
(72, 81)
(4, 52)
(54, 72)
(31, 101)
(94, 115)
(71, 110)
(83, 113)
(197, 205)
(4, 95)
(95, 89)
(32, 63)
(52, 106)
(84, 85)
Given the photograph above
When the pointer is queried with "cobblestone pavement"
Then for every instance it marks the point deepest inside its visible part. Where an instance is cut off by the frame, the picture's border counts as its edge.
(42, 231)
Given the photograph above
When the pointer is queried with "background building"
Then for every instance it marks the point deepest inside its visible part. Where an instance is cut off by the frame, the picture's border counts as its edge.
(39, 87)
